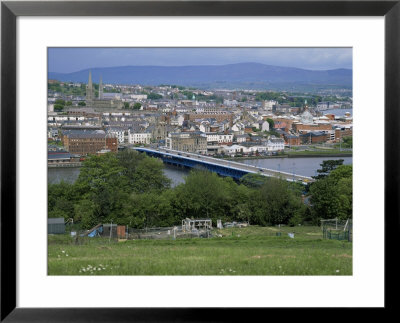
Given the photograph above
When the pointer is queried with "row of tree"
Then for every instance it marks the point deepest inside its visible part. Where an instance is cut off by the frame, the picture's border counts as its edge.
(130, 188)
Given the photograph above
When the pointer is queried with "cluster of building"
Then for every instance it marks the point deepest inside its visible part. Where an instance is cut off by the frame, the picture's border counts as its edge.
(108, 121)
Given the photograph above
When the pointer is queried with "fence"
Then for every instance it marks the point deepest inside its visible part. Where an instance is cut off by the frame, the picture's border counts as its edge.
(337, 229)
(124, 232)
(169, 233)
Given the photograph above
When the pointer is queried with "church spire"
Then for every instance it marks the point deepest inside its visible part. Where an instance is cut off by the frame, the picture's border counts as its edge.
(89, 91)
(101, 88)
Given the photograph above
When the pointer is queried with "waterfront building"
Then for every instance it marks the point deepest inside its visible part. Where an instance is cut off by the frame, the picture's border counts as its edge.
(194, 142)
(314, 137)
(139, 138)
(275, 144)
(81, 142)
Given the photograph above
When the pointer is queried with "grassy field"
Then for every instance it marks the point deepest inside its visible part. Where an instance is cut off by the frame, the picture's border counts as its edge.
(233, 251)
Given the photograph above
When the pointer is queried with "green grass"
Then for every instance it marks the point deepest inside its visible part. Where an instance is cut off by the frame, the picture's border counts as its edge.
(246, 251)
(319, 152)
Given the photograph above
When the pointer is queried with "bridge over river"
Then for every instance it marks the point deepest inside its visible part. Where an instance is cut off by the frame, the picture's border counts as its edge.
(220, 166)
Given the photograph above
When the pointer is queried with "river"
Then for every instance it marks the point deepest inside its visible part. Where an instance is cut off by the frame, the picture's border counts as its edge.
(306, 166)
(301, 166)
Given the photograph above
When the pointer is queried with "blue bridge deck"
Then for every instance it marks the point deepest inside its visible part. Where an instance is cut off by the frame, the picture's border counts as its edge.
(222, 167)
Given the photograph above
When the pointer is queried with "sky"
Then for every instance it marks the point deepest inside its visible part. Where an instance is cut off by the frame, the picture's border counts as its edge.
(67, 60)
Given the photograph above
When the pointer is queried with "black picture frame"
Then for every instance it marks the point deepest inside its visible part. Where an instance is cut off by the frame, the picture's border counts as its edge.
(10, 10)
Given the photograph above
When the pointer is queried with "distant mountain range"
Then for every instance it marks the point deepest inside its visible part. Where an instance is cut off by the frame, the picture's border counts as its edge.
(242, 75)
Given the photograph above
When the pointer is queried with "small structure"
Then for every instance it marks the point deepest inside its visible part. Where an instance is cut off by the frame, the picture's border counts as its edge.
(337, 229)
(110, 230)
(189, 225)
(235, 224)
(94, 232)
(55, 226)
(121, 232)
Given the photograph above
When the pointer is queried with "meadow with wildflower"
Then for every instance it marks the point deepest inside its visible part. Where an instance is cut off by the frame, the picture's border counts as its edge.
(235, 251)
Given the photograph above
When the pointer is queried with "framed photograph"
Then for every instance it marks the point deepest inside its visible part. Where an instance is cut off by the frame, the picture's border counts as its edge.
(86, 83)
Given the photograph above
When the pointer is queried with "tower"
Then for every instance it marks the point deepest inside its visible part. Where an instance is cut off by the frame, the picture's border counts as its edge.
(101, 88)
(89, 91)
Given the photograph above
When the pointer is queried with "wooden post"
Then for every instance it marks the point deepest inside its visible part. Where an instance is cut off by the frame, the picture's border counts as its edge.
(110, 232)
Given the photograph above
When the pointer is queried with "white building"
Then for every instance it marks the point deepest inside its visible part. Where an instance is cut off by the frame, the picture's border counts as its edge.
(230, 103)
(267, 105)
(234, 149)
(275, 144)
(204, 127)
(177, 120)
(119, 133)
(139, 138)
(242, 138)
(225, 138)
(258, 148)
(138, 97)
(219, 138)
(212, 137)
(264, 125)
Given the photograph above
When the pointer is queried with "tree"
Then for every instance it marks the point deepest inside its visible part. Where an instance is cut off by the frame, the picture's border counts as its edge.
(188, 94)
(203, 195)
(85, 213)
(154, 96)
(68, 103)
(60, 101)
(332, 195)
(253, 180)
(275, 203)
(98, 171)
(82, 104)
(126, 105)
(137, 106)
(102, 182)
(271, 123)
(58, 107)
(327, 166)
(149, 176)
(129, 160)
(61, 199)
(347, 142)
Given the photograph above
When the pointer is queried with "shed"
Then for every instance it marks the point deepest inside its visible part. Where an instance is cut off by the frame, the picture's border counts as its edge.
(55, 226)
(107, 227)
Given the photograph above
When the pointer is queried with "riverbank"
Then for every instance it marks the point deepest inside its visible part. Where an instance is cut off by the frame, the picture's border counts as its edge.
(63, 165)
(306, 166)
(297, 154)
(318, 154)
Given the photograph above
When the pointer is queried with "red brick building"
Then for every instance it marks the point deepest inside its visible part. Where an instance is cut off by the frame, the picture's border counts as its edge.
(292, 140)
(344, 132)
(301, 128)
(313, 137)
(84, 143)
